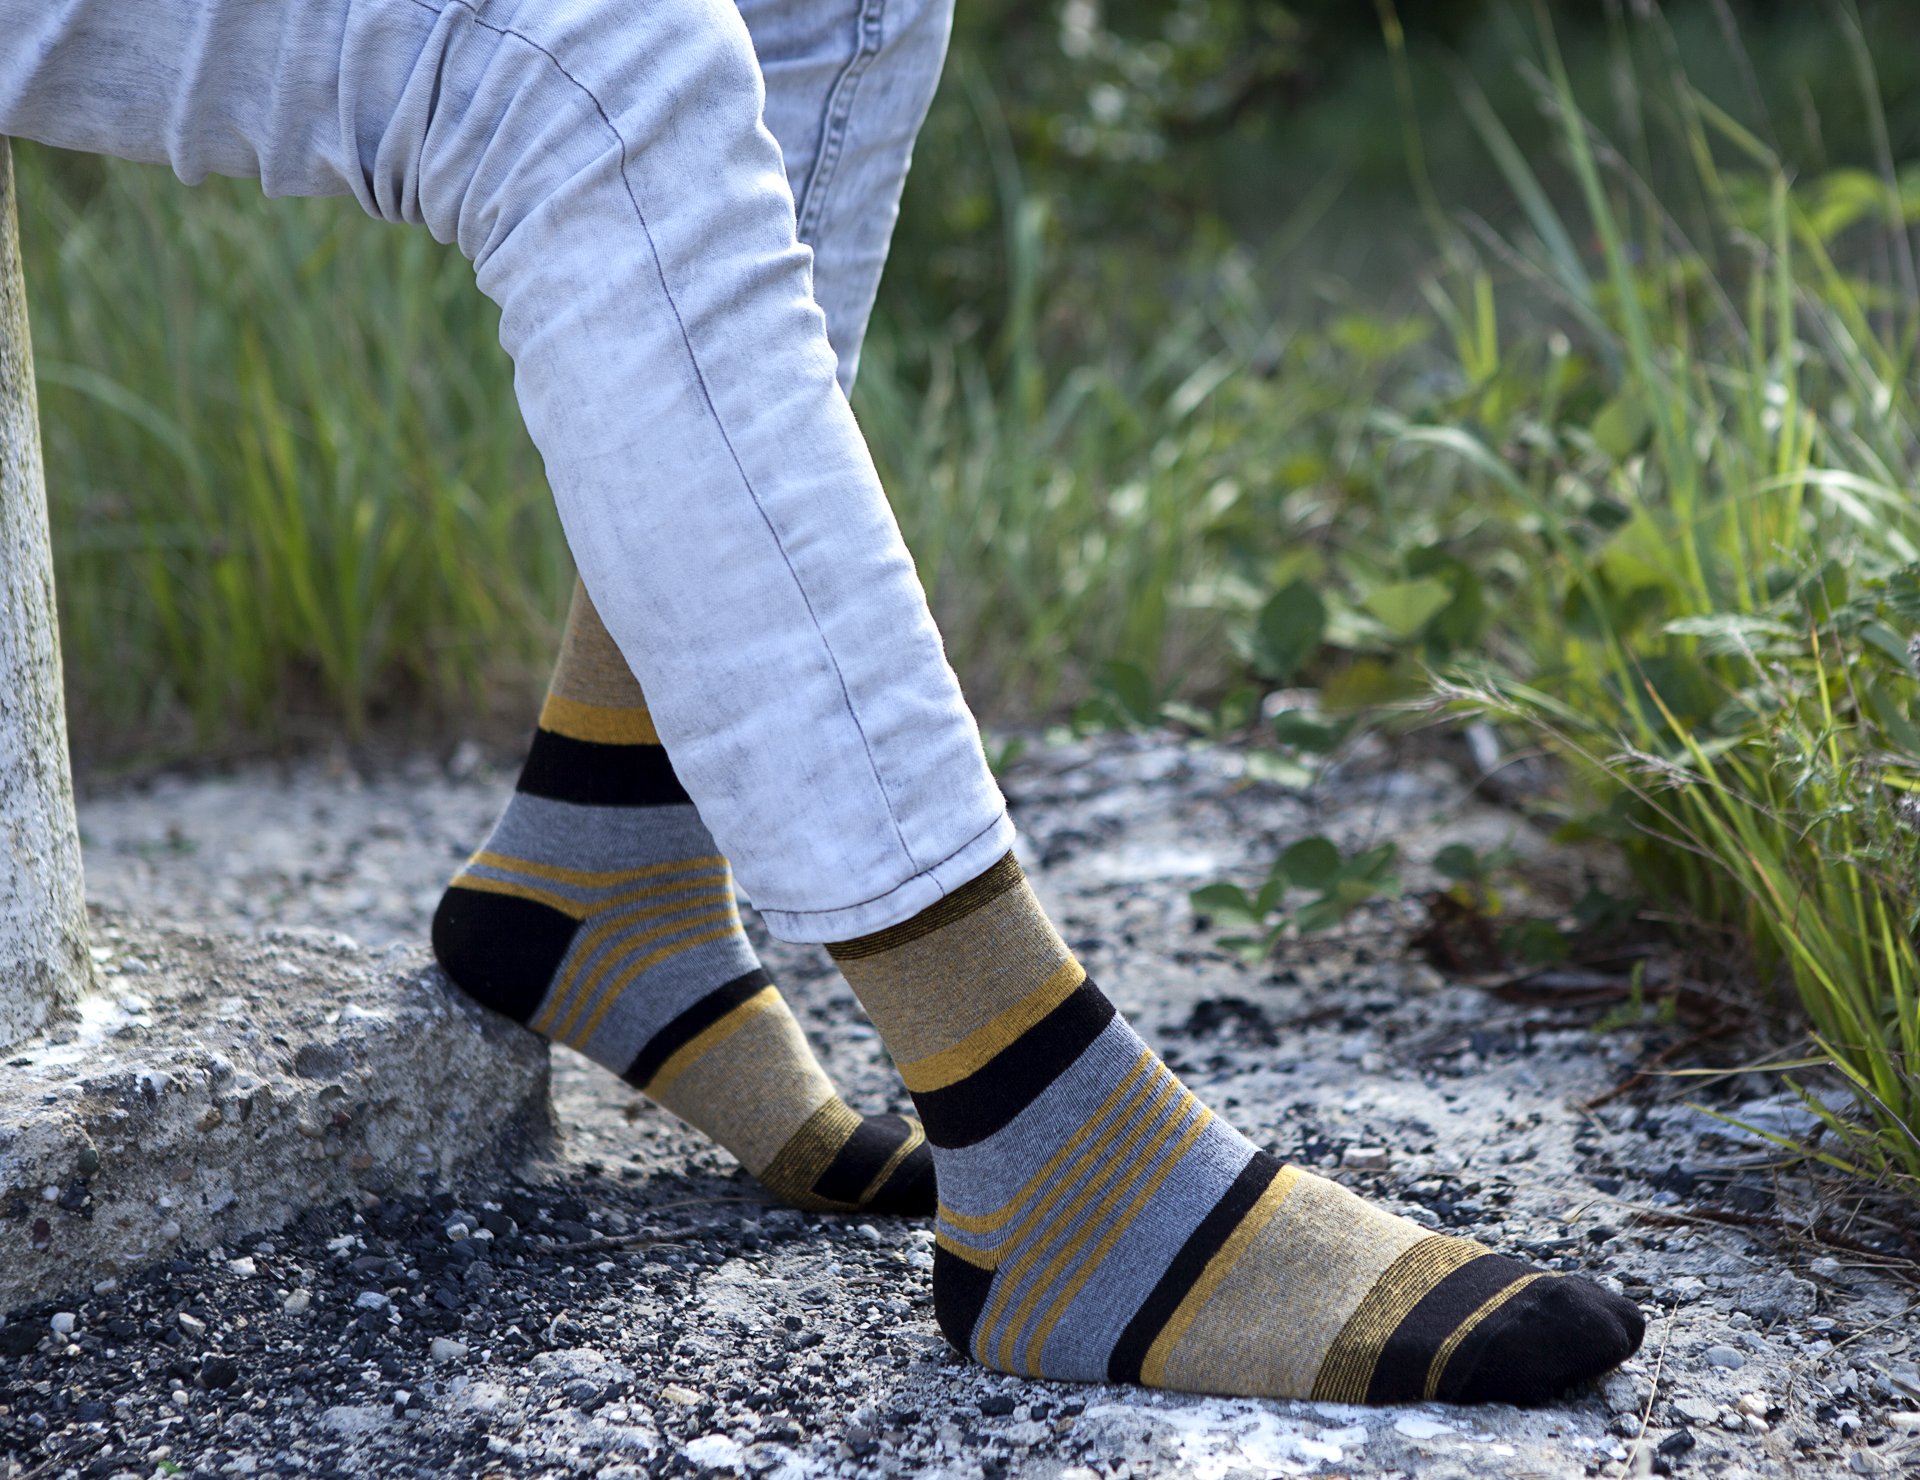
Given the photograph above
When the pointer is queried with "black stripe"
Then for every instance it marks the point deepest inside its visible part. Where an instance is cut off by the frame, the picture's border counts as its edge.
(960, 1292)
(590, 774)
(1400, 1376)
(859, 1161)
(1188, 1265)
(500, 949)
(966, 1113)
(690, 1024)
(910, 1191)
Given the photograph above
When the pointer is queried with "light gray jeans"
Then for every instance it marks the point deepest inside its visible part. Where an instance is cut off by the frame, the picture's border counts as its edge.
(606, 166)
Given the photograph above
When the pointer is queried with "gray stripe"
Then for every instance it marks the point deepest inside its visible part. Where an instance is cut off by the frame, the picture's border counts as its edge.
(1080, 1345)
(565, 835)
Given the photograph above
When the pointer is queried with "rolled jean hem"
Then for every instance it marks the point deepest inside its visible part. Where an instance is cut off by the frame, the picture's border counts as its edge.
(903, 901)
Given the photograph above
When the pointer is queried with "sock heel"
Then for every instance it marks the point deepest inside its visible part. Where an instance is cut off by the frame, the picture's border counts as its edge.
(500, 950)
(960, 1289)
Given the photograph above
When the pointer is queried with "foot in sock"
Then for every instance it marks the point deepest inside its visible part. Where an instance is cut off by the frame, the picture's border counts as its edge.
(1098, 1224)
(600, 913)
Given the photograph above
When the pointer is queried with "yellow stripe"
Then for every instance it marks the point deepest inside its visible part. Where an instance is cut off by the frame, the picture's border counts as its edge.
(577, 721)
(989, 1222)
(1347, 1372)
(558, 1026)
(572, 909)
(1163, 1118)
(1460, 1332)
(1163, 1168)
(652, 959)
(978, 1048)
(1153, 1370)
(710, 864)
(617, 920)
(916, 1136)
(810, 1150)
(978, 1258)
(709, 1038)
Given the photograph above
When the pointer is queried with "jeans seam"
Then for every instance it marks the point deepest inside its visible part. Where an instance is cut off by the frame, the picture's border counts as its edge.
(841, 909)
(867, 44)
(706, 393)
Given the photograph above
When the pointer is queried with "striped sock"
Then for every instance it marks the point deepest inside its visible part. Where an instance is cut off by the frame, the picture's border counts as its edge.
(600, 913)
(1098, 1224)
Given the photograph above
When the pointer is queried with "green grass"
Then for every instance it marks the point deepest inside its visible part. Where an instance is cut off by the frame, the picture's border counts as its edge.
(285, 469)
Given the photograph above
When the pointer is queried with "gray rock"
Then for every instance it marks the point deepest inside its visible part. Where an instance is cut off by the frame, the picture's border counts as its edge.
(420, 1087)
(1725, 1356)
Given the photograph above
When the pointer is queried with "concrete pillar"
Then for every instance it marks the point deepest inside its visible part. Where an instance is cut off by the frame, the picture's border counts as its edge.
(44, 962)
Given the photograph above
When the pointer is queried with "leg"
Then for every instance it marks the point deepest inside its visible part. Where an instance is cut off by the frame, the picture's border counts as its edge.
(606, 171)
(848, 85)
(600, 913)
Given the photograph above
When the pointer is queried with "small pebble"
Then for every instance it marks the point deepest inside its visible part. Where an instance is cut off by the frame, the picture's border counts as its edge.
(371, 1300)
(1725, 1356)
(296, 1304)
(1906, 1423)
(244, 1267)
(1753, 1405)
(446, 1349)
(684, 1397)
(63, 1322)
(1366, 1159)
(191, 1325)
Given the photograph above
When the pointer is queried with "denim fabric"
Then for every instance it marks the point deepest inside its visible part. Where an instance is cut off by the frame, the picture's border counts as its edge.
(848, 85)
(606, 169)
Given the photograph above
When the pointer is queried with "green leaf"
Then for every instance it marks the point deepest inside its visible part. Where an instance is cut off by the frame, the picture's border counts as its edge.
(1277, 770)
(1311, 863)
(1297, 728)
(1537, 942)
(1288, 630)
(1459, 861)
(1226, 903)
(1374, 867)
(1621, 428)
(1131, 690)
(1405, 607)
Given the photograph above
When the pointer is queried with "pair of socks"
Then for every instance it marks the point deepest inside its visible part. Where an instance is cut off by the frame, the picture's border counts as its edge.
(1096, 1222)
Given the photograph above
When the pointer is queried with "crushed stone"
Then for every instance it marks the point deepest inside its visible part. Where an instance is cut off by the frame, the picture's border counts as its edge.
(640, 1308)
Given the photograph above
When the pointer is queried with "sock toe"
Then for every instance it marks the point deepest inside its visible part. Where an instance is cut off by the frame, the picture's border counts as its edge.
(1555, 1334)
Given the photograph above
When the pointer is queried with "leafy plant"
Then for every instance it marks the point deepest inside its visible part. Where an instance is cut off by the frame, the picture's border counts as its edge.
(1339, 883)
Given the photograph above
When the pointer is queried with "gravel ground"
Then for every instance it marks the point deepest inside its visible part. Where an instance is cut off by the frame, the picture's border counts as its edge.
(636, 1307)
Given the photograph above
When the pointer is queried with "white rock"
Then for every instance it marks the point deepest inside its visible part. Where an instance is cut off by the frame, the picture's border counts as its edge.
(296, 1304)
(371, 1300)
(244, 1267)
(192, 1325)
(685, 1397)
(1906, 1423)
(1366, 1159)
(1753, 1405)
(63, 1322)
(446, 1349)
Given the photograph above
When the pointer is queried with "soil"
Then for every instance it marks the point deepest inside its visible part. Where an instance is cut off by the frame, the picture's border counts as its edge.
(636, 1306)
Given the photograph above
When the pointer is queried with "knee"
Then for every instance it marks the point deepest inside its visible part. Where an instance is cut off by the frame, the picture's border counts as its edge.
(527, 98)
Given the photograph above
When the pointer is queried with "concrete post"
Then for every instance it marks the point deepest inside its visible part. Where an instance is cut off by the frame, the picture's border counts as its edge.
(44, 962)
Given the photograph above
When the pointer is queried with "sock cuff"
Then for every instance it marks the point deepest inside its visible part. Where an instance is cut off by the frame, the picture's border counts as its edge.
(996, 881)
